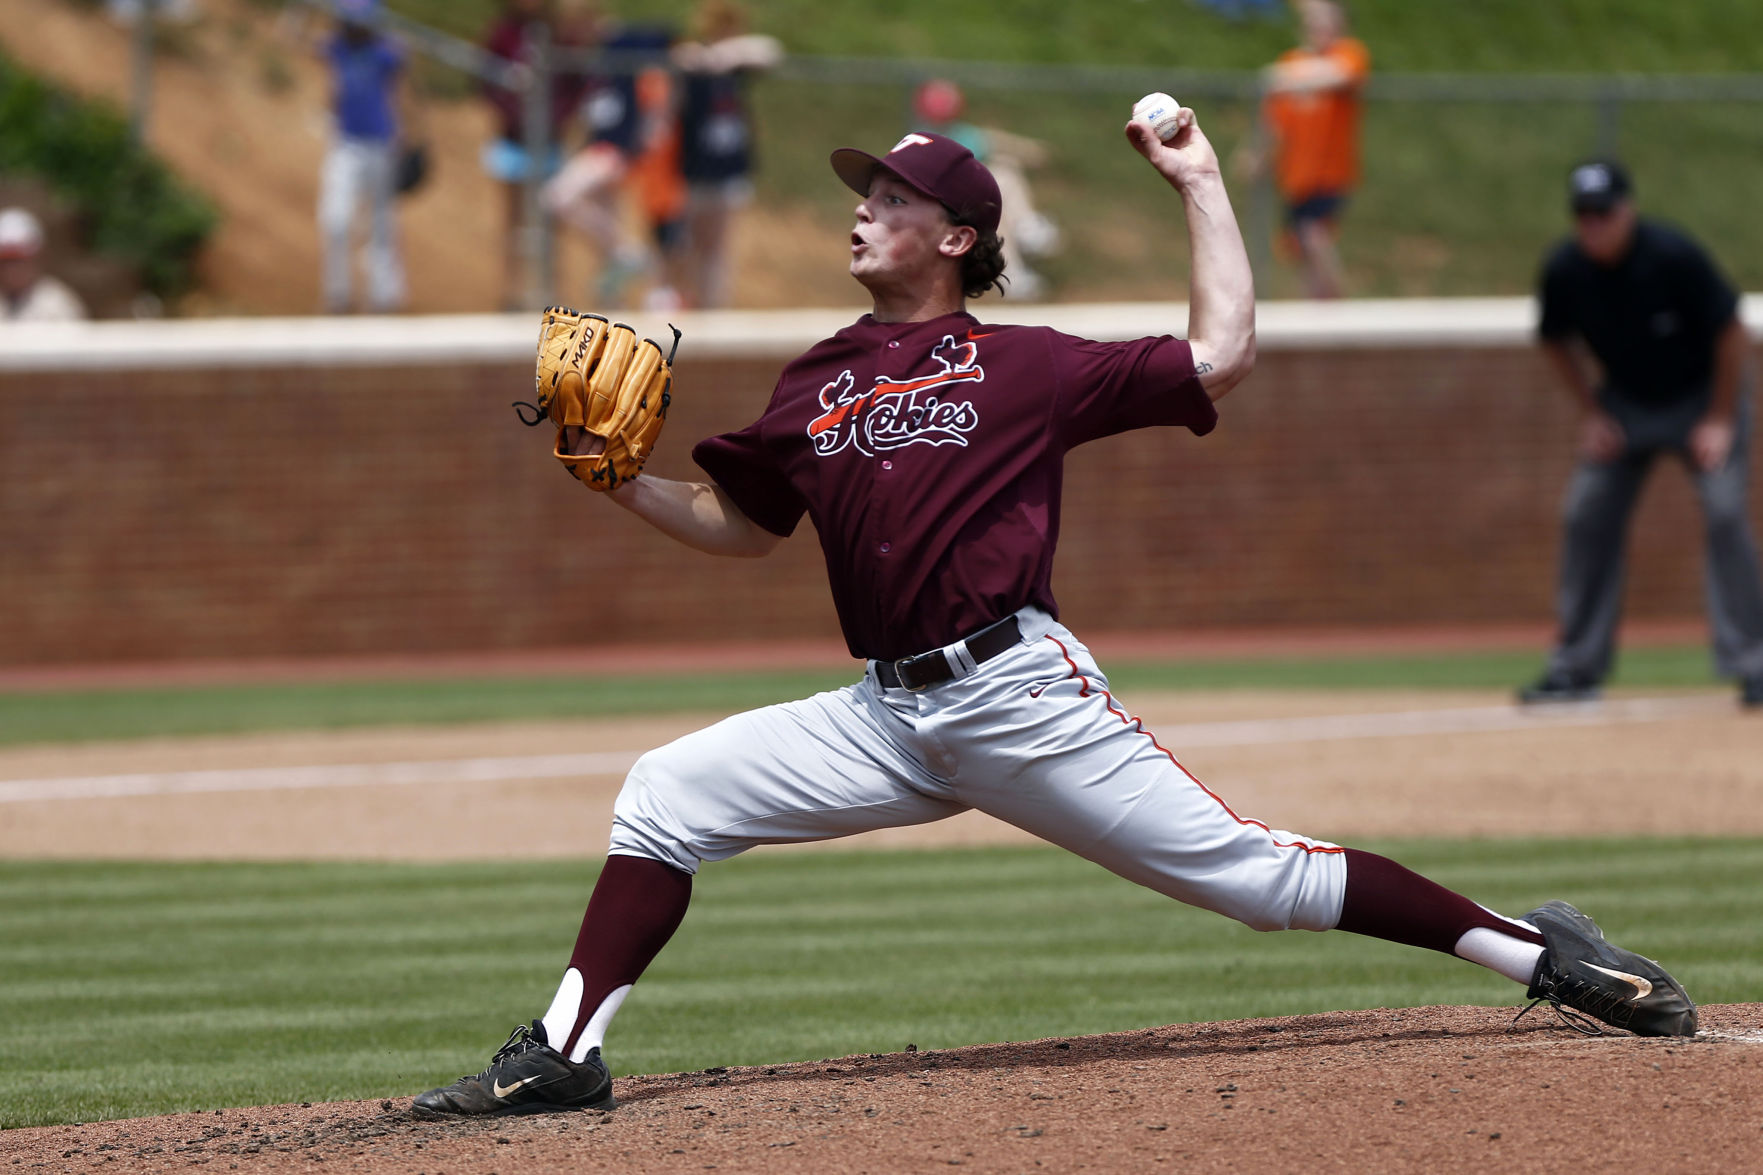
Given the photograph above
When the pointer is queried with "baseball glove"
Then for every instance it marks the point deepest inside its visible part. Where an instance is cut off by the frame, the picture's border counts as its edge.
(604, 389)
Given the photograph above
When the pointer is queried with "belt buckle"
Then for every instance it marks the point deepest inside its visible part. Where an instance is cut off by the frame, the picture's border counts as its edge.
(905, 665)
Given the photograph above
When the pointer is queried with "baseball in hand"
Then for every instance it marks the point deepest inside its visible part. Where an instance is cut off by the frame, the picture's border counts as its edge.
(1159, 112)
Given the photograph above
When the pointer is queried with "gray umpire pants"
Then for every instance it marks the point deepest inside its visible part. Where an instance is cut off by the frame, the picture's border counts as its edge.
(1600, 499)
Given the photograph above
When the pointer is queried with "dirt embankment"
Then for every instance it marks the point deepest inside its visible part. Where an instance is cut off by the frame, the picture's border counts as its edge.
(240, 110)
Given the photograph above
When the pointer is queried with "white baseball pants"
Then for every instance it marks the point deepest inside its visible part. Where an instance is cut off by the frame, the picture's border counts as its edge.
(1032, 737)
(360, 173)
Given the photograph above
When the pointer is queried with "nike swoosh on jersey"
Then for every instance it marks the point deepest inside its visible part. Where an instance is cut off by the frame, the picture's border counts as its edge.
(501, 1090)
(1642, 987)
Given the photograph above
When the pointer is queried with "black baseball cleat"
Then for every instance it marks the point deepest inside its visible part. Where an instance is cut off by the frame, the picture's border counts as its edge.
(526, 1076)
(1751, 692)
(1589, 979)
(1556, 686)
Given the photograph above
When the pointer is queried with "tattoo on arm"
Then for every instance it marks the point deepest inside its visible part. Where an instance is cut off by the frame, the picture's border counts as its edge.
(1202, 367)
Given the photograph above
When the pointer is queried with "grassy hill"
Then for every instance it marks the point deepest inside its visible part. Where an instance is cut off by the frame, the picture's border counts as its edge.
(1522, 36)
(1457, 198)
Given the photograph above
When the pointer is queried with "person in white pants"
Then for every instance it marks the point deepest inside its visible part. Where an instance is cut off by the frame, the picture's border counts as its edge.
(369, 96)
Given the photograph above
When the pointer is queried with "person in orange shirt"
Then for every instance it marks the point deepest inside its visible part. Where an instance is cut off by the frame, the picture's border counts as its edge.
(660, 185)
(1312, 114)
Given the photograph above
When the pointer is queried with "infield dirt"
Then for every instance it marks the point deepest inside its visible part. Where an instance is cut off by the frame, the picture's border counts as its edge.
(1424, 1089)
(1396, 773)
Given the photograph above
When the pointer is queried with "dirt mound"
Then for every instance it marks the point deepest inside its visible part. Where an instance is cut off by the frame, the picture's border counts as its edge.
(1420, 1089)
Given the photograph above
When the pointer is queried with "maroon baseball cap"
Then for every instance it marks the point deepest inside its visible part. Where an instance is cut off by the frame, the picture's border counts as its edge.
(936, 165)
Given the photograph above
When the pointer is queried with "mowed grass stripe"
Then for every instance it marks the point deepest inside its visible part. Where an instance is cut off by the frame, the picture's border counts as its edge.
(90, 715)
(130, 989)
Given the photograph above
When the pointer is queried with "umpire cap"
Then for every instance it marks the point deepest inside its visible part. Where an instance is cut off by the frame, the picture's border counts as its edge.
(1597, 184)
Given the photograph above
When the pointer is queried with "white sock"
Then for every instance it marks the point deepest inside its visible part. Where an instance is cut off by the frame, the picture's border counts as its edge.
(1512, 957)
(566, 1005)
(594, 1035)
(566, 1008)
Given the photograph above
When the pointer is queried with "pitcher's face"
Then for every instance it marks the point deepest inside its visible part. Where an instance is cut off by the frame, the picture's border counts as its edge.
(900, 234)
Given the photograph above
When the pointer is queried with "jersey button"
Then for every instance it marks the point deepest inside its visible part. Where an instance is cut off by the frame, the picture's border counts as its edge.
(885, 548)
(887, 464)
(893, 344)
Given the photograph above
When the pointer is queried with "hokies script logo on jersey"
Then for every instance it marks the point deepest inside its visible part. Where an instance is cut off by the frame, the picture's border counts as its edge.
(895, 413)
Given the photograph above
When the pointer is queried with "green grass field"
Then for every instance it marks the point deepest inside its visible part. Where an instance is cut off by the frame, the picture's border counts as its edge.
(87, 715)
(134, 989)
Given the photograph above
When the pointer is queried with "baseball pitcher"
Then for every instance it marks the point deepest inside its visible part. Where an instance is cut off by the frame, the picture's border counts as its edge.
(927, 447)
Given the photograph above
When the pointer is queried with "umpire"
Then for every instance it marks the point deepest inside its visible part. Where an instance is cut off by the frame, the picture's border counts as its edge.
(1671, 369)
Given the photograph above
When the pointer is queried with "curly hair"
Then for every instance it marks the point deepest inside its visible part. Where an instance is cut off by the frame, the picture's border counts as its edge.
(982, 267)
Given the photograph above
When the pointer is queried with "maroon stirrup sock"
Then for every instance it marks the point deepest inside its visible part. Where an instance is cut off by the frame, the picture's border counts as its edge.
(1389, 901)
(636, 907)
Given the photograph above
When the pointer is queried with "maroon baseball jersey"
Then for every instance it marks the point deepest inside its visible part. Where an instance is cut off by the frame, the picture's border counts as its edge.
(929, 456)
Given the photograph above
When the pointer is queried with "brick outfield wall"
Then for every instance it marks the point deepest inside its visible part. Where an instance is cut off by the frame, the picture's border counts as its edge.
(245, 513)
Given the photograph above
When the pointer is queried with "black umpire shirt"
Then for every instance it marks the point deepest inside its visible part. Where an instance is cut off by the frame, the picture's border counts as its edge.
(1651, 319)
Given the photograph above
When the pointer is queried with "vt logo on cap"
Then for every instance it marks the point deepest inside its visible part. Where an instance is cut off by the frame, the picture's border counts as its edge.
(939, 167)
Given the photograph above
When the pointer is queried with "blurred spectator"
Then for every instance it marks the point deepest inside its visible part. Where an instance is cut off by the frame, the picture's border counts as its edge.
(373, 115)
(27, 294)
(631, 148)
(1312, 118)
(1671, 377)
(937, 106)
(660, 186)
(716, 138)
(586, 193)
(506, 158)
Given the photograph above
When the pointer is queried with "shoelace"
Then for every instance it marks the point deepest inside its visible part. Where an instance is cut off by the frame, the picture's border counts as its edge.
(1581, 1006)
(519, 1041)
(1576, 1020)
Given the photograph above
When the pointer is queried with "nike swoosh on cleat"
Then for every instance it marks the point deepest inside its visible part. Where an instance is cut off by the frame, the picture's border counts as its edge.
(1642, 987)
(501, 1090)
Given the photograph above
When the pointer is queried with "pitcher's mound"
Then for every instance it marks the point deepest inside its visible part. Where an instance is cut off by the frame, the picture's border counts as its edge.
(1416, 1089)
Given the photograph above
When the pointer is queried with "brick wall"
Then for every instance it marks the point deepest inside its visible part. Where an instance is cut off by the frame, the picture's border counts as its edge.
(260, 512)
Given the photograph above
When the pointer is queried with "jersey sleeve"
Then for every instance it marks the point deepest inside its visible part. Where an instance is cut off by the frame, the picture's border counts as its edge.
(745, 469)
(1108, 388)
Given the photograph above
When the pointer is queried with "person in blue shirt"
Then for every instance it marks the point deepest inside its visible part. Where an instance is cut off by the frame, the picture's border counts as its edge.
(370, 109)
